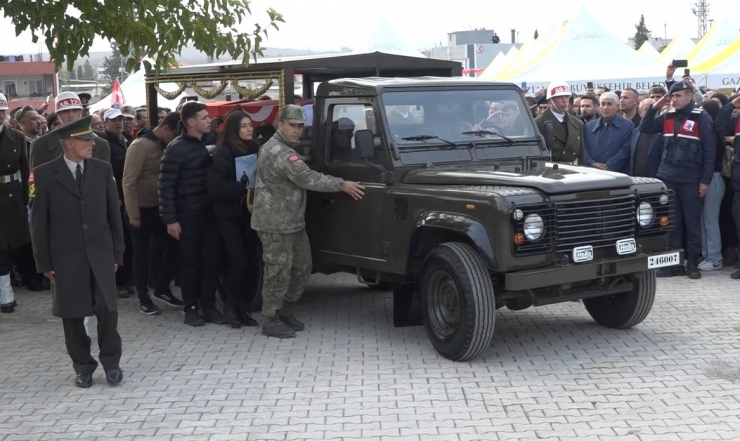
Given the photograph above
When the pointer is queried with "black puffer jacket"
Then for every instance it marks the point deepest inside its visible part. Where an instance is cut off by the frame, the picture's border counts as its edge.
(182, 179)
(118, 147)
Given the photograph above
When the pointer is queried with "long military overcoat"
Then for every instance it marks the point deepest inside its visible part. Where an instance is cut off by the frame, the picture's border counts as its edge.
(13, 195)
(567, 146)
(77, 234)
(49, 147)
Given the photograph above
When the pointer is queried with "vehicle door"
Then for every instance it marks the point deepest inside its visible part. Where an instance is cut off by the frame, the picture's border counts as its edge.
(343, 230)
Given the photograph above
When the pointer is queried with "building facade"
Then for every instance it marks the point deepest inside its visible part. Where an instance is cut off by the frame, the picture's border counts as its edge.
(28, 79)
(474, 49)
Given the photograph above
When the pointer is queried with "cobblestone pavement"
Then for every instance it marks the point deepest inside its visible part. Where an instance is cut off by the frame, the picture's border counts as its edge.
(551, 374)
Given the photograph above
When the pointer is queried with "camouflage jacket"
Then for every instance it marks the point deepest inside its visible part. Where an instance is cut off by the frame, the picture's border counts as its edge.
(282, 179)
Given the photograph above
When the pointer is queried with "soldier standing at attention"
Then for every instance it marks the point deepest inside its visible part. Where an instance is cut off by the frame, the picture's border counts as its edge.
(567, 142)
(78, 245)
(48, 147)
(278, 217)
(686, 167)
(14, 176)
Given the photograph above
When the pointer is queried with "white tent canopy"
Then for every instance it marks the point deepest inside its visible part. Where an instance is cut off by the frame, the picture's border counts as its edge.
(531, 52)
(585, 51)
(722, 70)
(134, 91)
(388, 40)
(677, 49)
(648, 49)
(496, 66)
(720, 35)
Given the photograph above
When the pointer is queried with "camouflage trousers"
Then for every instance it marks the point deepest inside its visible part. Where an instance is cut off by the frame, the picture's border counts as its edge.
(288, 266)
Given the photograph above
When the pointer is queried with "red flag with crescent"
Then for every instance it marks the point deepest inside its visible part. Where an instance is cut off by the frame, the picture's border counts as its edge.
(116, 96)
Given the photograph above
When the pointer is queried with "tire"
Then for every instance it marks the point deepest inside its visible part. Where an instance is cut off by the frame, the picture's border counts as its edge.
(622, 311)
(457, 302)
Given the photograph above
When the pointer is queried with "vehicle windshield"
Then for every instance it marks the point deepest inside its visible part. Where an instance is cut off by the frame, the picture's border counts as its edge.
(457, 116)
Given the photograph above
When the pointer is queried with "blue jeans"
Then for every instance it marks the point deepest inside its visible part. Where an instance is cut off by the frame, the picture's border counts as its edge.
(711, 241)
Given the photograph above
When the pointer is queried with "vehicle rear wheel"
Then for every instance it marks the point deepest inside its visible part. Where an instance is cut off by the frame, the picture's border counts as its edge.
(622, 311)
(457, 301)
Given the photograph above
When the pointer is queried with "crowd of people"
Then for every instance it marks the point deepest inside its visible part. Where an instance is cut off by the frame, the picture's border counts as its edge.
(137, 207)
(102, 206)
(683, 134)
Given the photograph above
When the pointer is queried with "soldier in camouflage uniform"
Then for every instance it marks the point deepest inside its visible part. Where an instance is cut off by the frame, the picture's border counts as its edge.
(278, 217)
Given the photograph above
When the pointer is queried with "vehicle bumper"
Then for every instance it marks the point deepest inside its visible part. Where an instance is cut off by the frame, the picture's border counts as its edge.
(580, 272)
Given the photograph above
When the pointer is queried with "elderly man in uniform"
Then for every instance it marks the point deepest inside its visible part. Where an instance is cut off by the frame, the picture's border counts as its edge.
(686, 167)
(14, 176)
(78, 245)
(567, 143)
(47, 148)
(282, 179)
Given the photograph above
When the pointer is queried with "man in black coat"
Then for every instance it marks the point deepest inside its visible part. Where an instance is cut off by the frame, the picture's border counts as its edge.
(78, 244)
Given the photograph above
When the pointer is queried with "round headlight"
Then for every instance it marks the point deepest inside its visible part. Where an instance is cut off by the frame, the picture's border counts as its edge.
(534, 227)
(663, 199)
(645, 214)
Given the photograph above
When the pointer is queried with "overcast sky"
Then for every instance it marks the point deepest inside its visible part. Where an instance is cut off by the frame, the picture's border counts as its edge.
(308, 27)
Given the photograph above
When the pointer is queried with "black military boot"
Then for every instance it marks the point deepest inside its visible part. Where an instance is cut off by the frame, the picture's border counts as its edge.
(274, 327)
(672, 271)
(692, 267)
(286, 315)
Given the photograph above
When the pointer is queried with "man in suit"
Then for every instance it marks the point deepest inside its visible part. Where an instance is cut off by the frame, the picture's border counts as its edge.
(78, 244)
(566, 144)
(48, 147)
(607, 138)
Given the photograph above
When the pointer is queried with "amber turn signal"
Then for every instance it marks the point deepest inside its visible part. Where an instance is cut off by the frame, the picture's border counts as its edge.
(470, 207)
(518, 239)
(663, 221)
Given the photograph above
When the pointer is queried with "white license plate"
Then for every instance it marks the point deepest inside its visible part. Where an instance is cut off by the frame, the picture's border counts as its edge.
(626, 246)
(583, 254)
(663, 260)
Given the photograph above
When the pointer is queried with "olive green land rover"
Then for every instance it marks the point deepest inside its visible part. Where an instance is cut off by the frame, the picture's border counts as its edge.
(464, 213)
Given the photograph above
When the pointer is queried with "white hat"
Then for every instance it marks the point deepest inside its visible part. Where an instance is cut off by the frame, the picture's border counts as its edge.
(558, 88)
(67, 101)
(112, 114)
(3, 102)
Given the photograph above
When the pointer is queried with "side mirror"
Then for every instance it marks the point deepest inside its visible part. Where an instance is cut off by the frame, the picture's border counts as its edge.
(364, 143)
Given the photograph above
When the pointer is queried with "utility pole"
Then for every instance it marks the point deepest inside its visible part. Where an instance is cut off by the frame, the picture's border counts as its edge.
(702, 14)
(665, 33)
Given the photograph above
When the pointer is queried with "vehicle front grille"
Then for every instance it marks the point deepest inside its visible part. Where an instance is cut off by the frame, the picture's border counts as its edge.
(599, 223)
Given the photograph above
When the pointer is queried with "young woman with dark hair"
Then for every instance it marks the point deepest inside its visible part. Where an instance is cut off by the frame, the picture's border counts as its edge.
(229, 206)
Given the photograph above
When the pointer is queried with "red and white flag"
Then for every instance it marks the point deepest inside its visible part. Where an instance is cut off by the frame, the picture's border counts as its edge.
(116, 96)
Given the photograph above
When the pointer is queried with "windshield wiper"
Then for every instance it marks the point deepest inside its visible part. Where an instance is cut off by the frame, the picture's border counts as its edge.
(487, 132)
(427, 138)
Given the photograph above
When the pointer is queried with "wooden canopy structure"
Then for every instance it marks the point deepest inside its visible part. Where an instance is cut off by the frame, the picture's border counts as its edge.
(313, 69)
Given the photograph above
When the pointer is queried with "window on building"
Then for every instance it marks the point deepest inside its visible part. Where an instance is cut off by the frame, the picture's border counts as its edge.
(9, 88)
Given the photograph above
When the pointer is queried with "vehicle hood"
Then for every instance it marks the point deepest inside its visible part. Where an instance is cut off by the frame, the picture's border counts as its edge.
(562, 179)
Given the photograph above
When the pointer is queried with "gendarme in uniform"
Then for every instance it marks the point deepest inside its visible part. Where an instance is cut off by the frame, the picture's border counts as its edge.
(278, 216)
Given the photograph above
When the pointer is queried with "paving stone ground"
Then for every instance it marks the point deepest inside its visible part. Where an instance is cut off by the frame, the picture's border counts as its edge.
(551, 374)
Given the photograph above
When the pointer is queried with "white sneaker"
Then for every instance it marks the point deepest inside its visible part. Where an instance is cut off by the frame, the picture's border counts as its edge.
(709, 266)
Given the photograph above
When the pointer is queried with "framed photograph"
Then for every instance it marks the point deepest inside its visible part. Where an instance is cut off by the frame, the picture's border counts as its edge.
(245, 169)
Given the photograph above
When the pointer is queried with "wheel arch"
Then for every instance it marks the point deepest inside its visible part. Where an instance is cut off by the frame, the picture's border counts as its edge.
(435, 227)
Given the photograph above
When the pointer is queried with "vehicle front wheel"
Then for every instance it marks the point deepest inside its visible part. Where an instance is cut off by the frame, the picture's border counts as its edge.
(457, 301)
(628, 309)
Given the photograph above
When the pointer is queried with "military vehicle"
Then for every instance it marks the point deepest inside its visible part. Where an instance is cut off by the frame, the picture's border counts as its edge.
(464, 213)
